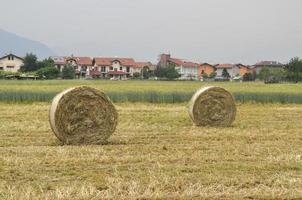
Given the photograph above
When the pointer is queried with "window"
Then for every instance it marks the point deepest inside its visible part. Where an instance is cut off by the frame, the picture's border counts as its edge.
(121, 68)
(111, 68)
(103, 69)
(1, 68)
(10, 67)
(128, 69)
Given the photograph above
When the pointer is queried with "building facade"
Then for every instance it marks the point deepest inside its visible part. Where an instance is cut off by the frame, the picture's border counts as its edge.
(272, 65)
(205, 68)
(187, 69)
(11, 63)
(232, 69)
(82, 65)
(116, 68)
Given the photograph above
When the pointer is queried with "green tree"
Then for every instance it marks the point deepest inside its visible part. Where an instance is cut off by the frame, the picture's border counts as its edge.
(171, 73)
(159, 72)
(48, 72)
(264, 74)
(213, 75)
(294, 69)
(248, 77)
(136, 75)
(146, 72)
(167, 72)
(225, 73)
(68, 72)
(46, 63)
(205, 76)
(30, 63)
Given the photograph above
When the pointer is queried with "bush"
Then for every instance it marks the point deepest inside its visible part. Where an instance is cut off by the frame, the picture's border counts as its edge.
(136, 75)
(68, 72)
(205, 76)
(248, 77)
(3, 74)
(48, 72)
(168, 72)
(213, 75)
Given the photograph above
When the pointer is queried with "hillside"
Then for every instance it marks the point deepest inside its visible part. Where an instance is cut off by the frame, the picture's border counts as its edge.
(10, 42)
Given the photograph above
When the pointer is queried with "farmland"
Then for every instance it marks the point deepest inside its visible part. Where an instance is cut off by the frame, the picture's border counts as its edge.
(149, 91)
(156, 151)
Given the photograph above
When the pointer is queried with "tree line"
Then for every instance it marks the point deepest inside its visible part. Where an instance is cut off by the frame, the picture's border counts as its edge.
(46, 68)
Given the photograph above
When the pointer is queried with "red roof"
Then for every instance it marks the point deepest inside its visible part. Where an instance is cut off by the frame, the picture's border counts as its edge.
(183, 63)
(176, 61)
(95, 73)
(225, 66)
(203, 64)
(190, 64)
(101, 61)
(78, 60)
(117, 73)
(142, 64)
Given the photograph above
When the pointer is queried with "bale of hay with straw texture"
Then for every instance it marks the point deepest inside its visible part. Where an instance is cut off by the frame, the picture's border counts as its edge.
(82, 115)
(212, 106)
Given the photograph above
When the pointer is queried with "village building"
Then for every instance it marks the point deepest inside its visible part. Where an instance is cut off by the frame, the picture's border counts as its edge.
(205, 68)
(102, 67)
(234, 70)
(272, 65)
(82, 65)
(11, 63)
(140, 65)
(116, 68)
(186, 69)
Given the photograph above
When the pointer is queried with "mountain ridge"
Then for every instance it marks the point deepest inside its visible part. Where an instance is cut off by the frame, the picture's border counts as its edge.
(20, 45)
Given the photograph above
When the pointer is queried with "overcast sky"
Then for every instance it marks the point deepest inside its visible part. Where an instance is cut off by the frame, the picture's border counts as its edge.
(214, 31)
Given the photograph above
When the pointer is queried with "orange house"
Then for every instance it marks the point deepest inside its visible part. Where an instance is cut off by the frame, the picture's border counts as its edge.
(243, 69)
(205, 68)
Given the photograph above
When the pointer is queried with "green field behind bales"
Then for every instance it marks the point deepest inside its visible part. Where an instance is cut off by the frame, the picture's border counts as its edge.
(150, 91)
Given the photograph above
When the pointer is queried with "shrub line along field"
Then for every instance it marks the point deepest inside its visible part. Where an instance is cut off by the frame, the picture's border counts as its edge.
(156, 152)
(149, 91)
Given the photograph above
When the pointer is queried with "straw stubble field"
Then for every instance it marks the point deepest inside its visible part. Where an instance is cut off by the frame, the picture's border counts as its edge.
(156, 152)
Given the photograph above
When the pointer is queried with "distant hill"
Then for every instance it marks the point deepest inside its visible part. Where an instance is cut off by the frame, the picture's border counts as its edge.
(12, 43)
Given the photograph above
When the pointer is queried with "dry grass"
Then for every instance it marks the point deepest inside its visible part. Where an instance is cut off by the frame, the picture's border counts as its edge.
(156, 153)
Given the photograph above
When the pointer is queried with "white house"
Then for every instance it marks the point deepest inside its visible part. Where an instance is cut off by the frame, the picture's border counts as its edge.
(11, 63)
(232, 69)
(81, 65)
(114, 67)
(186, 69)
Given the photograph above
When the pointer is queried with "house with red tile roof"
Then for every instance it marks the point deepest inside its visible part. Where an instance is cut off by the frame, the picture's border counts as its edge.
(102, 67)
(81, 65)
(234, 70)
(139, 66)
(205, 68)
(119, 68)
(186, 69)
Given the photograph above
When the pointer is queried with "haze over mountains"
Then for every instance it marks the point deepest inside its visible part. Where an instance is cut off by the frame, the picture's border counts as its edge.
(12, 43)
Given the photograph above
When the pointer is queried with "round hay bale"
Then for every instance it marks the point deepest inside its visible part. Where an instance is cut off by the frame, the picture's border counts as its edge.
(212, 106)
(82, 115)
